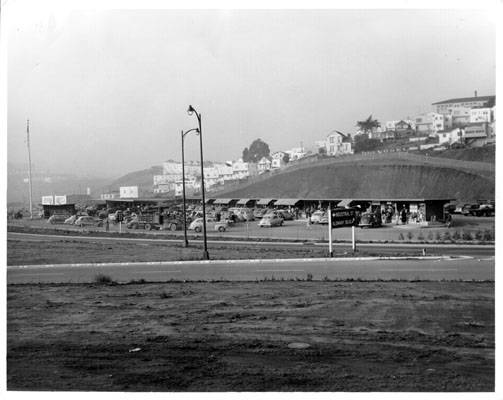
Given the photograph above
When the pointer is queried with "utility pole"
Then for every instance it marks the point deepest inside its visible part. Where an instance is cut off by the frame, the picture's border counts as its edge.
(29, 166)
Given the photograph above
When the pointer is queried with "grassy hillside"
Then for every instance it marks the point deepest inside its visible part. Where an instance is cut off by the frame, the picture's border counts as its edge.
(144, 179)
(380, 178)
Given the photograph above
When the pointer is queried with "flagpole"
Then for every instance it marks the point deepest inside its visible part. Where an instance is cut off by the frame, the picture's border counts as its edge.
(29, 166)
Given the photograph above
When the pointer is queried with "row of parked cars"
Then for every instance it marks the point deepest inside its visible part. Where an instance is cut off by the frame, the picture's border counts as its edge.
(486, 209)
(83, 220)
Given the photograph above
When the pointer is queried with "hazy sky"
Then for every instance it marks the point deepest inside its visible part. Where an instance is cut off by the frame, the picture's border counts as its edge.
(107, 91)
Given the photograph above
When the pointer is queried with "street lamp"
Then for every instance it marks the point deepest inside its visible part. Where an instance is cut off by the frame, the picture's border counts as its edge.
(191, 111)
(186, 241)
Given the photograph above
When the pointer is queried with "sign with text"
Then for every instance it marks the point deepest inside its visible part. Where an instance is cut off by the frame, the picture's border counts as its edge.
(343, 217)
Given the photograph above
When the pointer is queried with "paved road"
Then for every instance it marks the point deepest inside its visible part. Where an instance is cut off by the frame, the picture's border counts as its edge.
(430, 269)
(377, 248)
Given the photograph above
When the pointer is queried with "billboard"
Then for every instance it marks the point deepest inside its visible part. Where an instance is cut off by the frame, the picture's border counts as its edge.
(343, 216)
(128, 192)
(60, 199)
(47, 200)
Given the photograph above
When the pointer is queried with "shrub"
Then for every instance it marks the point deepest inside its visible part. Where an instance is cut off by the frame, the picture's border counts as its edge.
(165, 295)
(430, 236)
(488, 235)
(309, 277)
(400, 237)
(103, 279)
(410, 235)
(479, 235)
(438, 237)
(467, 236)
(447, 236)
(456, 235)
(420, 236)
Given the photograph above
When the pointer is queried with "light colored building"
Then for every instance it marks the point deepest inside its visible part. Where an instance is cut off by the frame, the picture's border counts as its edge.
(264, 165)
(429, 122)
(450, 136)
(296, 153)
(448, 106)
(109, 196)
(477, 134)
(192, 185)
(337, 143)
(278, 160)
(460, 117)
(482, 114)
(128, 192)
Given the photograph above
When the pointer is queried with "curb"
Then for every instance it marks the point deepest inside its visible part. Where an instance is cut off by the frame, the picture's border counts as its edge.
(306, 242)
(244, 261)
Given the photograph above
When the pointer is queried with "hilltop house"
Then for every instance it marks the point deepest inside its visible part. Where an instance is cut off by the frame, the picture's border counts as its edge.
(278, 160)
(264, 165)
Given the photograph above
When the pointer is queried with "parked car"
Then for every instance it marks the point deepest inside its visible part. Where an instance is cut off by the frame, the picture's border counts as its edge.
(197, 225)
(57, 219)
(370, 220)
(70, 220)
(317, 216)
(450, 208)
(470, 209)
(259, 213)
(270, 220)
(287, 216)
(88, 221)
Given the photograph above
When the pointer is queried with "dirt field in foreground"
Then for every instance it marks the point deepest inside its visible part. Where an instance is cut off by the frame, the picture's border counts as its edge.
(252, 336)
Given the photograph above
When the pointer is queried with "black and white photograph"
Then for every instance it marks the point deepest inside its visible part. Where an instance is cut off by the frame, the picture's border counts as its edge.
(257, 198)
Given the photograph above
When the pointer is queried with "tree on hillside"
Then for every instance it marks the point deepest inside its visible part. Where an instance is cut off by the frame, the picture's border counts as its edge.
(286, 158)
(322, 151)
(367, 126)
(256, 151)
(363, 143)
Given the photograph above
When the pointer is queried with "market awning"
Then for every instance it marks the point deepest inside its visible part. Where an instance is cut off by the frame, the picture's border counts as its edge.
(222, 201)
(344, 203)
(242, 202)
(210, 201)
(264, 202)
(286, 202)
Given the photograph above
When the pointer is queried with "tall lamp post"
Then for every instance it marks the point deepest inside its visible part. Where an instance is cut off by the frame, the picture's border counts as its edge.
(191, 111)
(186, 241)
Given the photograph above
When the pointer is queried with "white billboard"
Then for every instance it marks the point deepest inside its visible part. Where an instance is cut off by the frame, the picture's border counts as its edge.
(60, 199)
(47, 200)
(128, 192)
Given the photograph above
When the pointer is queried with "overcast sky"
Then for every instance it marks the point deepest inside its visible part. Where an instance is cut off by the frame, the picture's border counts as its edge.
(107, 91)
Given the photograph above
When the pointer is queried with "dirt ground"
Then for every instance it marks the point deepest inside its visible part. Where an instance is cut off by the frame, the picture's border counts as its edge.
(252, 336)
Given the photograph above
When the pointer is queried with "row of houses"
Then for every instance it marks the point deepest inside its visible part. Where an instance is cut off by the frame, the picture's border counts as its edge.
(468, 120)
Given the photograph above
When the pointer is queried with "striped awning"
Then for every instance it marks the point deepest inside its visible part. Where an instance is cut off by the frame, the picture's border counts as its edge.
(344, 203)
(286, 202)
(222, 201)
(264, 202)
(242, 202)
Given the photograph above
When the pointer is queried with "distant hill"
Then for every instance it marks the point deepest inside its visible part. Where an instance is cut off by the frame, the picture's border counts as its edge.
(378, 176)
(144, 179)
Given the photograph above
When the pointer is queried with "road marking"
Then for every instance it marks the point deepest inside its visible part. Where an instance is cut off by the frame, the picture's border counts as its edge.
(280, 270)
(44, 274)
(417, 270)
(155, 272)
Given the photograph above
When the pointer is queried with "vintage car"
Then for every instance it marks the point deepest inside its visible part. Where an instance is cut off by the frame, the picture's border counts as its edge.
(370, 220)
(197, 225)
(270, 220)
